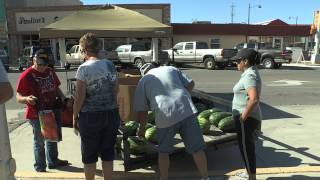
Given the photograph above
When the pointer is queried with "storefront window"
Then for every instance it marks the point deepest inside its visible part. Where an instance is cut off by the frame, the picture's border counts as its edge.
(30, 40)
(215, 43)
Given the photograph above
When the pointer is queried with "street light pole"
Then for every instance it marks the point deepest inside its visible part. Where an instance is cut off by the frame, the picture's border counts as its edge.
(296, 18)
(249, 9)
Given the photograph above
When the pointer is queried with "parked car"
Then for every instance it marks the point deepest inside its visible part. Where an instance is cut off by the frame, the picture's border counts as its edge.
(199, 52)
(138, 55)
(74, 57)
(269, 57)
(4, 58)
(25, 59)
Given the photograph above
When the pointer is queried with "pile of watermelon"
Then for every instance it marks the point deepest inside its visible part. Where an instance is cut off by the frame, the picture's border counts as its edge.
(140, 145)
(217, 117)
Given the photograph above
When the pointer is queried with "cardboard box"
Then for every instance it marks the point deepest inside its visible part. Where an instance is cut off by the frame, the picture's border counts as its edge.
(127, 87)
(123, 72)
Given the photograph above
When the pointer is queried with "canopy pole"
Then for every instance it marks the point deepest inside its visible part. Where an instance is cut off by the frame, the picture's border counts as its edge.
(155, 50)
(53, 43)
(7, 163)
(62, 51)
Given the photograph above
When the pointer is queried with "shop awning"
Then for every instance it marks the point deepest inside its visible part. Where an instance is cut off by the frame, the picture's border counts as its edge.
(111, 21)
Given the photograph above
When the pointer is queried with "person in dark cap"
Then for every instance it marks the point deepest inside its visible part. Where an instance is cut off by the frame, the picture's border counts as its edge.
(38, 88)
(166, 91)
(246, 109)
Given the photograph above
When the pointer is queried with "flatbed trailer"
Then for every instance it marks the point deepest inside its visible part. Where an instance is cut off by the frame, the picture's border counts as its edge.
(214, 139)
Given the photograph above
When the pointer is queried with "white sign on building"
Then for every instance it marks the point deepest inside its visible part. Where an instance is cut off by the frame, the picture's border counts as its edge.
(32, 21)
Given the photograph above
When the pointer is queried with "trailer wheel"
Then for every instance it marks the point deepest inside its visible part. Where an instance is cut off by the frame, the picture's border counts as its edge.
(67, 66)
(277, 65)
(138, 62)
(268, 63)
(209, 63)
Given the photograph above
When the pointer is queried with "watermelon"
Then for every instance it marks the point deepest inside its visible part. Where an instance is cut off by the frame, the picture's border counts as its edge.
(130, 128)
(207, 113)
(227, 124)
(150, 134)
(204, 125)
(214, 118)
(137, 145)
(148, 125)
(200, 106)
(151, 117)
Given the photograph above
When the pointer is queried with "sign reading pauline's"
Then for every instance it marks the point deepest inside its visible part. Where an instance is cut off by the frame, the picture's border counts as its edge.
(31, 20)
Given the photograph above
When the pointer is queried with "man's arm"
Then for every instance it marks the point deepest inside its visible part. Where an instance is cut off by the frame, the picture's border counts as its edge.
(78, 100)
(6, 92)
(142, 119)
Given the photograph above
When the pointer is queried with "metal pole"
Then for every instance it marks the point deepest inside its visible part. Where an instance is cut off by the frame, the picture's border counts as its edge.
(7, 163)
(249, 14)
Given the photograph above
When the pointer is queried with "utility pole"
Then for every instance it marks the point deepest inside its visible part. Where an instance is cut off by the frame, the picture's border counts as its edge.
(232, 12)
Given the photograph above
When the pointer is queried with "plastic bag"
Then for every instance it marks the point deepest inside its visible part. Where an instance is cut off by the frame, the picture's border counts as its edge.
(48, 124)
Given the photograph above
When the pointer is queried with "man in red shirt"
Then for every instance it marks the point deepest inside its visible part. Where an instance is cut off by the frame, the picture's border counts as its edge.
(38, 88)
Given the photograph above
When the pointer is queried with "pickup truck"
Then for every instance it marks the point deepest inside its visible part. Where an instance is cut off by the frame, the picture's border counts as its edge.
(73, 56)
(198, 52)
(137, 55)
(269, 57)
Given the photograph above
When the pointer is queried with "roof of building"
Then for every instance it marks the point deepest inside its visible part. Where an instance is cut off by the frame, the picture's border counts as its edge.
(272, 28)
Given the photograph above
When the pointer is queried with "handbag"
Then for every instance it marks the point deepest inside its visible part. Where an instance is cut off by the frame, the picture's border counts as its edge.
(66, 115)
(48, 125)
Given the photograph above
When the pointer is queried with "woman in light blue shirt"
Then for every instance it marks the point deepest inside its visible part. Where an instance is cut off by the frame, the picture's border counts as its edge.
(246, 109)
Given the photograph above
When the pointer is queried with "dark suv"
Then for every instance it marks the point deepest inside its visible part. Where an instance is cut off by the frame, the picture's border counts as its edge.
(25, 60)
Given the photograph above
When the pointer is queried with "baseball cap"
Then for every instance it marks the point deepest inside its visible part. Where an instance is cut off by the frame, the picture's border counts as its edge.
(42, 57)
(145, 68)
(246, 53)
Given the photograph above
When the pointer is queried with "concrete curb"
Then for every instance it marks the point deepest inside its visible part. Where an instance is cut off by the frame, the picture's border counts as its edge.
(174, 175)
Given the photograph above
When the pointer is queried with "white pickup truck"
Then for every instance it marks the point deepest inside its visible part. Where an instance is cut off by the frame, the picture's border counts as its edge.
(73, 56)
(198, 52)
(138, 55)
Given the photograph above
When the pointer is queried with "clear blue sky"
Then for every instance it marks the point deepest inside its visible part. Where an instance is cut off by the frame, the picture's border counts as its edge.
(219, 11)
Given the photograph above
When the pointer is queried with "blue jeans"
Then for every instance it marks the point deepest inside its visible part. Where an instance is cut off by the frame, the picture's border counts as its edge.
(43, 149)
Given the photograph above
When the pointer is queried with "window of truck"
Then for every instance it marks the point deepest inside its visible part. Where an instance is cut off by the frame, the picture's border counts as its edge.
(178, 46)
(188, 46)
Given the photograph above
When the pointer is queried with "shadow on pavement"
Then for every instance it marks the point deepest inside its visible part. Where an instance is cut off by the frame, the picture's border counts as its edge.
(271, 152)
(297, 68)
(268, 112)
(295, 177)
(271, 113)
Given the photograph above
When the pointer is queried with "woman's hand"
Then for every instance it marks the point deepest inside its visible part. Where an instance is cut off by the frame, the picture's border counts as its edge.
(75, 125)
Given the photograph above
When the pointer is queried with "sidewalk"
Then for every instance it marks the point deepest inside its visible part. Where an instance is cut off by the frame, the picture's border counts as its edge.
(288, 149)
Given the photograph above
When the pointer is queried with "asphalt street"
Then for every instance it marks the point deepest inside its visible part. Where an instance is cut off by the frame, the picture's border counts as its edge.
(290, 85)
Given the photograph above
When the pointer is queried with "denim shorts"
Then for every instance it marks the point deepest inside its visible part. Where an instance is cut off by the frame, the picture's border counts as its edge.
(189, 131)
(98, 132)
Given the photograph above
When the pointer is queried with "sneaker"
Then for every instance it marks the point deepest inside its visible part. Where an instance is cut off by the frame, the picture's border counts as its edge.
(242, 176)
(59, 164)
(41, 170)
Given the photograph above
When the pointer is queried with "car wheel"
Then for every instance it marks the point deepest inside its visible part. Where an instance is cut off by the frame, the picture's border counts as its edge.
(268, 63)
(209, 63)
(139, 63)
(20, 68)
